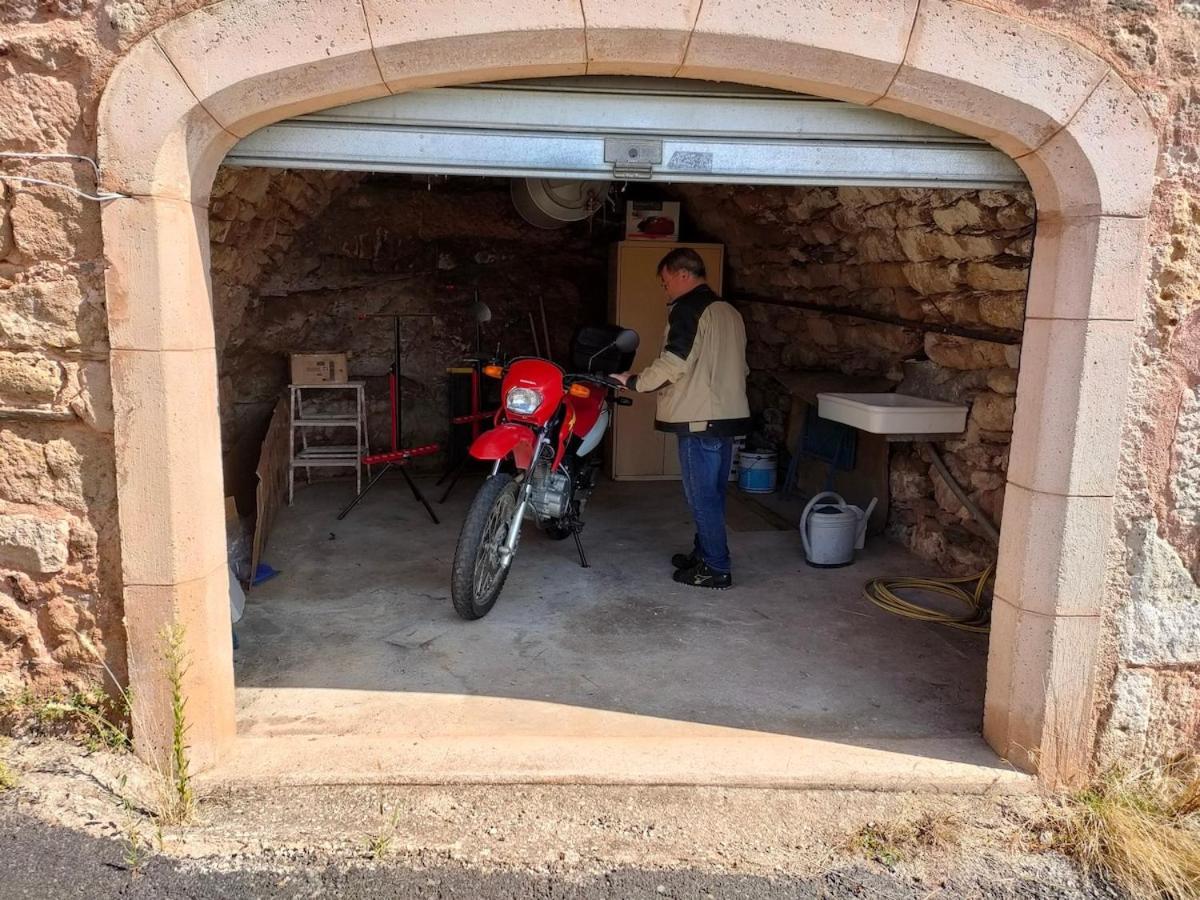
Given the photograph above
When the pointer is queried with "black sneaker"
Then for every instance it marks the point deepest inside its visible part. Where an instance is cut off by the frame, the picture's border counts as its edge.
(700, 575)
(685, 560)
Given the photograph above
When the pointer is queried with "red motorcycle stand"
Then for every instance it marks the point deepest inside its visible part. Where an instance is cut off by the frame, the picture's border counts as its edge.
(474, 416)
(397, 456)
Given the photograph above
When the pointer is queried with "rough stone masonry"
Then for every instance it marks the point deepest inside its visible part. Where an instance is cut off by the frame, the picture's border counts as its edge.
(917, 255)
(59, 542)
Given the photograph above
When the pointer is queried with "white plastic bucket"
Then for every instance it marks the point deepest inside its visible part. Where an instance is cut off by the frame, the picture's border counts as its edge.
(756, 472)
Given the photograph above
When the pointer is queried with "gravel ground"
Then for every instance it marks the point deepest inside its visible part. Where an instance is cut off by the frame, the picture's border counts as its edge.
(44, 861)
(67, 829)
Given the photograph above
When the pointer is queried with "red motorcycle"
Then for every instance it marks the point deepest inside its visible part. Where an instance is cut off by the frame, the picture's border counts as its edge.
(550, 425)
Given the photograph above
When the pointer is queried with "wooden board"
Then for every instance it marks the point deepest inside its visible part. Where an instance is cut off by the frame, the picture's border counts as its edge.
(272, 472)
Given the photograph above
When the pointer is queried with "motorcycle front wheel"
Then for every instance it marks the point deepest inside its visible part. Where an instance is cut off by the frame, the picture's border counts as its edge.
(479, 570)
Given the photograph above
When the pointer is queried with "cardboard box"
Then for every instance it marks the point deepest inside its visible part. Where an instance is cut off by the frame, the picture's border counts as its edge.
(319, 368)
(652, 220)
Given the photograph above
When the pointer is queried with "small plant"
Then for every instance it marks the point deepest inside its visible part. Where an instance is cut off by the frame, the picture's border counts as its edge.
(891, 843)
(180, 805)
(878, 843)
(380, 843)
(1141, 829)
(177, 803)
(136, 847)
(136, 850)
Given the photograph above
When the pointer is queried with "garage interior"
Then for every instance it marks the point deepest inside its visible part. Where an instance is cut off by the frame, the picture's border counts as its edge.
(868, 265)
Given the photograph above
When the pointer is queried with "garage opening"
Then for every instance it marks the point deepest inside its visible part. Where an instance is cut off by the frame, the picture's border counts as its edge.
(866, 253)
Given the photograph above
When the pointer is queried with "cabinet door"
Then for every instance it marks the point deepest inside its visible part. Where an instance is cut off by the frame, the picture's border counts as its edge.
(642, 306)
(638, 450)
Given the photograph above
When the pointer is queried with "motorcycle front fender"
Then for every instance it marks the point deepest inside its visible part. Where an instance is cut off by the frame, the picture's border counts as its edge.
(503, 440)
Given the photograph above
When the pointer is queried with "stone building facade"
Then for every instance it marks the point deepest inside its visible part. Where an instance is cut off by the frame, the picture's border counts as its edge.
(102, 307)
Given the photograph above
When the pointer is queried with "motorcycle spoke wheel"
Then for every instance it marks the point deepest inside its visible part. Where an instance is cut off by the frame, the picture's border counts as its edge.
(489, 563)
(479, 569)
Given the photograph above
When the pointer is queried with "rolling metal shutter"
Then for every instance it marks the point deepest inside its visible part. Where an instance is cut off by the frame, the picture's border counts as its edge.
(630, 128)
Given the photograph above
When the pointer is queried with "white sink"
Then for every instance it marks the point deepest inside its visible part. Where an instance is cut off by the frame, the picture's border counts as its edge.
(893, 413)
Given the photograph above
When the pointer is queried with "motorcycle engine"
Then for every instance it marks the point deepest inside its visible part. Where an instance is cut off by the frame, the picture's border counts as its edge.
(550, 492)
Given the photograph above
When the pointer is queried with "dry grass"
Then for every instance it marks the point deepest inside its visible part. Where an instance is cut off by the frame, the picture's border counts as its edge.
(8, 778)
(87, 715)
(1140, 829)
(892, 842)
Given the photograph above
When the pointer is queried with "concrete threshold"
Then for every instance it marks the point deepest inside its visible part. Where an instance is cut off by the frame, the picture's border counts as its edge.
(504, 741)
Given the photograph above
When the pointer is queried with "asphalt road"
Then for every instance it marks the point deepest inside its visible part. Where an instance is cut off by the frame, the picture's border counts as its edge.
(40, 862)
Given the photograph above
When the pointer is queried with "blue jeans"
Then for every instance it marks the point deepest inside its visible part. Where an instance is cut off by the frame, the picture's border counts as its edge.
(704, 461)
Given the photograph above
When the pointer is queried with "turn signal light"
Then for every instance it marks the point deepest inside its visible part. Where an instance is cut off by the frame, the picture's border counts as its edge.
(493, 371)
(579, 390)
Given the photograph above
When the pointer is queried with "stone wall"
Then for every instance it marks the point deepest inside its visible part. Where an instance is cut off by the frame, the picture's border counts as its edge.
(55, 58)
(943, 257)
(414, 246)
(59, 547)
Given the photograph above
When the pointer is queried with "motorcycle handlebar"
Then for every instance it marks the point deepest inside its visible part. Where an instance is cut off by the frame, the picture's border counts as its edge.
(598, 379)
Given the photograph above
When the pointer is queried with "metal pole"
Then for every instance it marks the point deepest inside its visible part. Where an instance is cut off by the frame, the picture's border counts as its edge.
(545, 329)
(397, 429)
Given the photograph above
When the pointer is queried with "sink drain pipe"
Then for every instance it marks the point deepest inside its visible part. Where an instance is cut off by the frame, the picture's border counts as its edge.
(993, 533)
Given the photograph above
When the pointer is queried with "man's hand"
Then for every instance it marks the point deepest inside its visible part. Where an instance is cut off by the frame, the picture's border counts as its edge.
(622, 377)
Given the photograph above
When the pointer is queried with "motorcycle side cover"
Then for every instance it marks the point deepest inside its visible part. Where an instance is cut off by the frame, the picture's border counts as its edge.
(504, 439)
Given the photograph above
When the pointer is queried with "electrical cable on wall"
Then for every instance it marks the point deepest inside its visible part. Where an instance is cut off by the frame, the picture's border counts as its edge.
(100, 196)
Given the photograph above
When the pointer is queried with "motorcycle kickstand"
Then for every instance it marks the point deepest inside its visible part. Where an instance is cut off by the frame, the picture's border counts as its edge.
(575, 529)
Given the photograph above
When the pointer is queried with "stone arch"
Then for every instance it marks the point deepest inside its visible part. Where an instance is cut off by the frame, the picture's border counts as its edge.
(181, 97)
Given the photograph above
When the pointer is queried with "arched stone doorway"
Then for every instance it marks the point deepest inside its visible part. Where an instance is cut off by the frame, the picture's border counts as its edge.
(181, 97)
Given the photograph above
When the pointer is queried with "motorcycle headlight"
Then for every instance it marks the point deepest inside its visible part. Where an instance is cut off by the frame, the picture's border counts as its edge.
(523, 401)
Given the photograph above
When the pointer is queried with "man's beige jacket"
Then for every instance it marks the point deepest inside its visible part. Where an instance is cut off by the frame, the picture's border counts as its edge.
(700, 376)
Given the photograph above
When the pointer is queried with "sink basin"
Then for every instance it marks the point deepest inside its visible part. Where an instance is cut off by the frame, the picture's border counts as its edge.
(893, 413)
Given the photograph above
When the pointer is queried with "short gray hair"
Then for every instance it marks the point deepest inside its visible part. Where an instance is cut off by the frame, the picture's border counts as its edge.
(682, 259)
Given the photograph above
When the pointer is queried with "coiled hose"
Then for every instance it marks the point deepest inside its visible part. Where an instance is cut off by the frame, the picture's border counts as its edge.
(882, 592)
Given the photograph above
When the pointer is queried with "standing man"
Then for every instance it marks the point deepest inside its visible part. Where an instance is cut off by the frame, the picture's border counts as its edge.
(700, 377)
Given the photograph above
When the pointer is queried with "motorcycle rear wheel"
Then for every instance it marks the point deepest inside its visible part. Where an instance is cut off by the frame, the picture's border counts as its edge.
(478, 574)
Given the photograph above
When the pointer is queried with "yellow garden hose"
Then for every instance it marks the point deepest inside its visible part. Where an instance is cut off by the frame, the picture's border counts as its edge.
(882, 592)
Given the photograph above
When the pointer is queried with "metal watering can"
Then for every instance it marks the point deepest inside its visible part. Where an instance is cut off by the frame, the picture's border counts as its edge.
(832, 532)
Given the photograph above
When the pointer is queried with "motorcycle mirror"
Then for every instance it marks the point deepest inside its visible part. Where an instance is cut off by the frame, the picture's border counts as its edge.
(627, 341)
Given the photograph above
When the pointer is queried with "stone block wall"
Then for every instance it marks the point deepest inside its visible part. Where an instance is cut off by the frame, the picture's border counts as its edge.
(59, 545)
(943, 257)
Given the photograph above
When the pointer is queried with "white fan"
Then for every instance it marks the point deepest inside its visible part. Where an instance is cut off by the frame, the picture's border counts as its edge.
(555, 202)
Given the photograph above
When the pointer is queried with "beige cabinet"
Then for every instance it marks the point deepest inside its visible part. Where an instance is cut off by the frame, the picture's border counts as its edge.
(637, 301)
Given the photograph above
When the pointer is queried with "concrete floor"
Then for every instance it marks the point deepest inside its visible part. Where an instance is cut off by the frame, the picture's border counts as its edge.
(355, 656)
